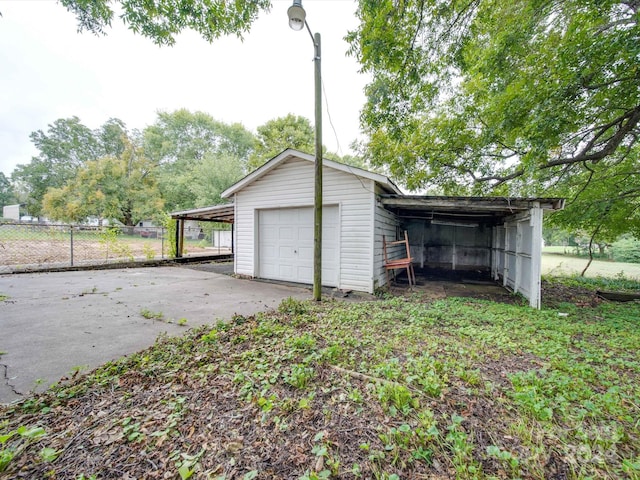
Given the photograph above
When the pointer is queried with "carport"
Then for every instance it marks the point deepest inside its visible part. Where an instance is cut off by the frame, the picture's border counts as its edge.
(217, 213)
(497, 238)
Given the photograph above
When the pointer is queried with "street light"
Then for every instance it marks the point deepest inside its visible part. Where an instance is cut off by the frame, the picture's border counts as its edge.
(297, 21)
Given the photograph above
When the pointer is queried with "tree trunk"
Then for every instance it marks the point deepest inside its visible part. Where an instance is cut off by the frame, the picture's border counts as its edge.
(595, 232)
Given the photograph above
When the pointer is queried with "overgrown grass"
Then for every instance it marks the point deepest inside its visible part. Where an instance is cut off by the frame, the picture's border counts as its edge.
(619, 282)
(457, 388)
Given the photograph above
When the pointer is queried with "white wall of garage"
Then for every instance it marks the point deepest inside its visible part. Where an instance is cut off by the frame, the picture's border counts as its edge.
(289, 188)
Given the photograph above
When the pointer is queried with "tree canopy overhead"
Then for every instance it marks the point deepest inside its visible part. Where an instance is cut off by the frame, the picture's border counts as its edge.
(162, 20)
(506, 97)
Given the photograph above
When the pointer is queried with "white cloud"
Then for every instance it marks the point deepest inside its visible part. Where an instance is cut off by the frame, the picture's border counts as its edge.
(49, 71)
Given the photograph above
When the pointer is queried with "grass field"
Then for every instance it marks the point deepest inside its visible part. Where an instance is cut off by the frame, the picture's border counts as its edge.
(559, 264)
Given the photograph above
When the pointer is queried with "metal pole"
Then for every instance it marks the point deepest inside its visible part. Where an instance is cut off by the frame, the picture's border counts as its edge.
(317, 234)
(71, 235)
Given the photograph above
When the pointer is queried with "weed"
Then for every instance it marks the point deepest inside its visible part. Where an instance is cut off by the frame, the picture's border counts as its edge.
(299, 376)
(111, 247)
(461, 448)
(149, 315)
(26, 436)
(504, 456)
(131, 430)
(291, 306)
(149, 251)
(396, 398)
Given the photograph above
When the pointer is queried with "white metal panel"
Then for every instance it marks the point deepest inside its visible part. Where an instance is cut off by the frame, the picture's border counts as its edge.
(520, 268)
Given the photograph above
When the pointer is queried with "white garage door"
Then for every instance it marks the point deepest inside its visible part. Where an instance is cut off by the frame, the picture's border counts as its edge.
(285, 238)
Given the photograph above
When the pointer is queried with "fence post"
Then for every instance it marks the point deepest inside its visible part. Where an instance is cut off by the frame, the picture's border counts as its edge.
(71, 232)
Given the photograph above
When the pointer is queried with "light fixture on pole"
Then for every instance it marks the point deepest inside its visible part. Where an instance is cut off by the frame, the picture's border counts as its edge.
(297, 21)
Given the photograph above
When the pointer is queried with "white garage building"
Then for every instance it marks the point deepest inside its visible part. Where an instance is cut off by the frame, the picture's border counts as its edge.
(499, 238)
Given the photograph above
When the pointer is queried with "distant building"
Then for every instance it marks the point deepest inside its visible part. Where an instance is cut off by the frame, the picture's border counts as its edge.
(11, 212)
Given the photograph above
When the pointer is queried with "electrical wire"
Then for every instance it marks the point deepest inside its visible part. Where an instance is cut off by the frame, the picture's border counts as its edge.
(326, 103)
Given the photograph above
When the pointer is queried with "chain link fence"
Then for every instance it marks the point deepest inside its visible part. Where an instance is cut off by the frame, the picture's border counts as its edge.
(26, 247)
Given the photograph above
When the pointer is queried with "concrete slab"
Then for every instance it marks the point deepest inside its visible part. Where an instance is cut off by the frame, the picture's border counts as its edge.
(53, 323)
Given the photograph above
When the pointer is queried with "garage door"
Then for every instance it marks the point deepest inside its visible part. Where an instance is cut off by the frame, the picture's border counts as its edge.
(285, 238)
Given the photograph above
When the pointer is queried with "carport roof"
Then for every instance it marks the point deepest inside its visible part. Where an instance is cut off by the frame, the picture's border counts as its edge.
(216, 213)
(482, 209)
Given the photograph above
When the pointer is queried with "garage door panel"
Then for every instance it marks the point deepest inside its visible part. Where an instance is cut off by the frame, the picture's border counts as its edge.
(285, 245)
(285, 252)
(305, 274)
(285, 233)
(305, 234)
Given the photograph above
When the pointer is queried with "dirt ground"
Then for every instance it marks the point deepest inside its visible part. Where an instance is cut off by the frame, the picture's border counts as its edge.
(20, 255)
(553, 295)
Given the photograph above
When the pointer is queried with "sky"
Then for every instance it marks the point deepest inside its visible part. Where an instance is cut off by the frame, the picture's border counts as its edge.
(49, 71)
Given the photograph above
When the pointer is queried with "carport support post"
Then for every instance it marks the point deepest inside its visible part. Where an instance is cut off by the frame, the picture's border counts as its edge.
(179, 237)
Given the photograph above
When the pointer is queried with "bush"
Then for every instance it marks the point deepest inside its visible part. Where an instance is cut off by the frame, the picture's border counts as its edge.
(626, 249)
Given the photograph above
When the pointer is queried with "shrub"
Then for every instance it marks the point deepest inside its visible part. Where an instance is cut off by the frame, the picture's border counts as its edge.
(626, 249)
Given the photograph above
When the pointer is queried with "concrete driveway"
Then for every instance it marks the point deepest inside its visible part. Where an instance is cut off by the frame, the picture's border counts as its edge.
(53, 323)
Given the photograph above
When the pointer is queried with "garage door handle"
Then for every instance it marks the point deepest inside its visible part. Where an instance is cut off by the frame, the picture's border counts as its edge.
(295, 251)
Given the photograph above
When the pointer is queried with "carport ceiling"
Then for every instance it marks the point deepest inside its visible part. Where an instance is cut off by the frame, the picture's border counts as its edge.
(464, 209)
(217, 213)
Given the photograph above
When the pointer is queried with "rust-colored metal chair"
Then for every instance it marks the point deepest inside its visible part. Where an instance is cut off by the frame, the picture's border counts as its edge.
(404, 262)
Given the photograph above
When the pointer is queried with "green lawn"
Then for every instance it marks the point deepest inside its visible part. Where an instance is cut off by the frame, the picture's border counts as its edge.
(554, 262)
(390, 389)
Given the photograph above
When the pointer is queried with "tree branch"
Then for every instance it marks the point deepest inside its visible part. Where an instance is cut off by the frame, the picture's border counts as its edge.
(626, 123)
(501, 179)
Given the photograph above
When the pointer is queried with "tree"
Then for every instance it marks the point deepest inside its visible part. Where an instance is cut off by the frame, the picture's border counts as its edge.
(120, 188)
(162, 20)
(112, 137)
(279, 134)
(180, 141)
(7, 197)
(65, 147)
(213, 175)
(511, 97)
(182, 136)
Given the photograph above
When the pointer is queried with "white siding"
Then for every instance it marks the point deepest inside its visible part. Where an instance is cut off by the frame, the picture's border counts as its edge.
(516, 251)
(386, 224)
(291, 185)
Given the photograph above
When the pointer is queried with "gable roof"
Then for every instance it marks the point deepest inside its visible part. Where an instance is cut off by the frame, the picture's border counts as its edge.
(290, 153)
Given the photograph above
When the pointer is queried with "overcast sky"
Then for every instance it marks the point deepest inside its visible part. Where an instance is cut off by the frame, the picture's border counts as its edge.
(49, 71)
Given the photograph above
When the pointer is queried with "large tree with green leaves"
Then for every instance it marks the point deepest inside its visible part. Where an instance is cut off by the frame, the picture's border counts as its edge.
(211, 176)
(64, 148)
(180, 142)
(122, 188)
(524, 97)
(290, 131)
(162, 20)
